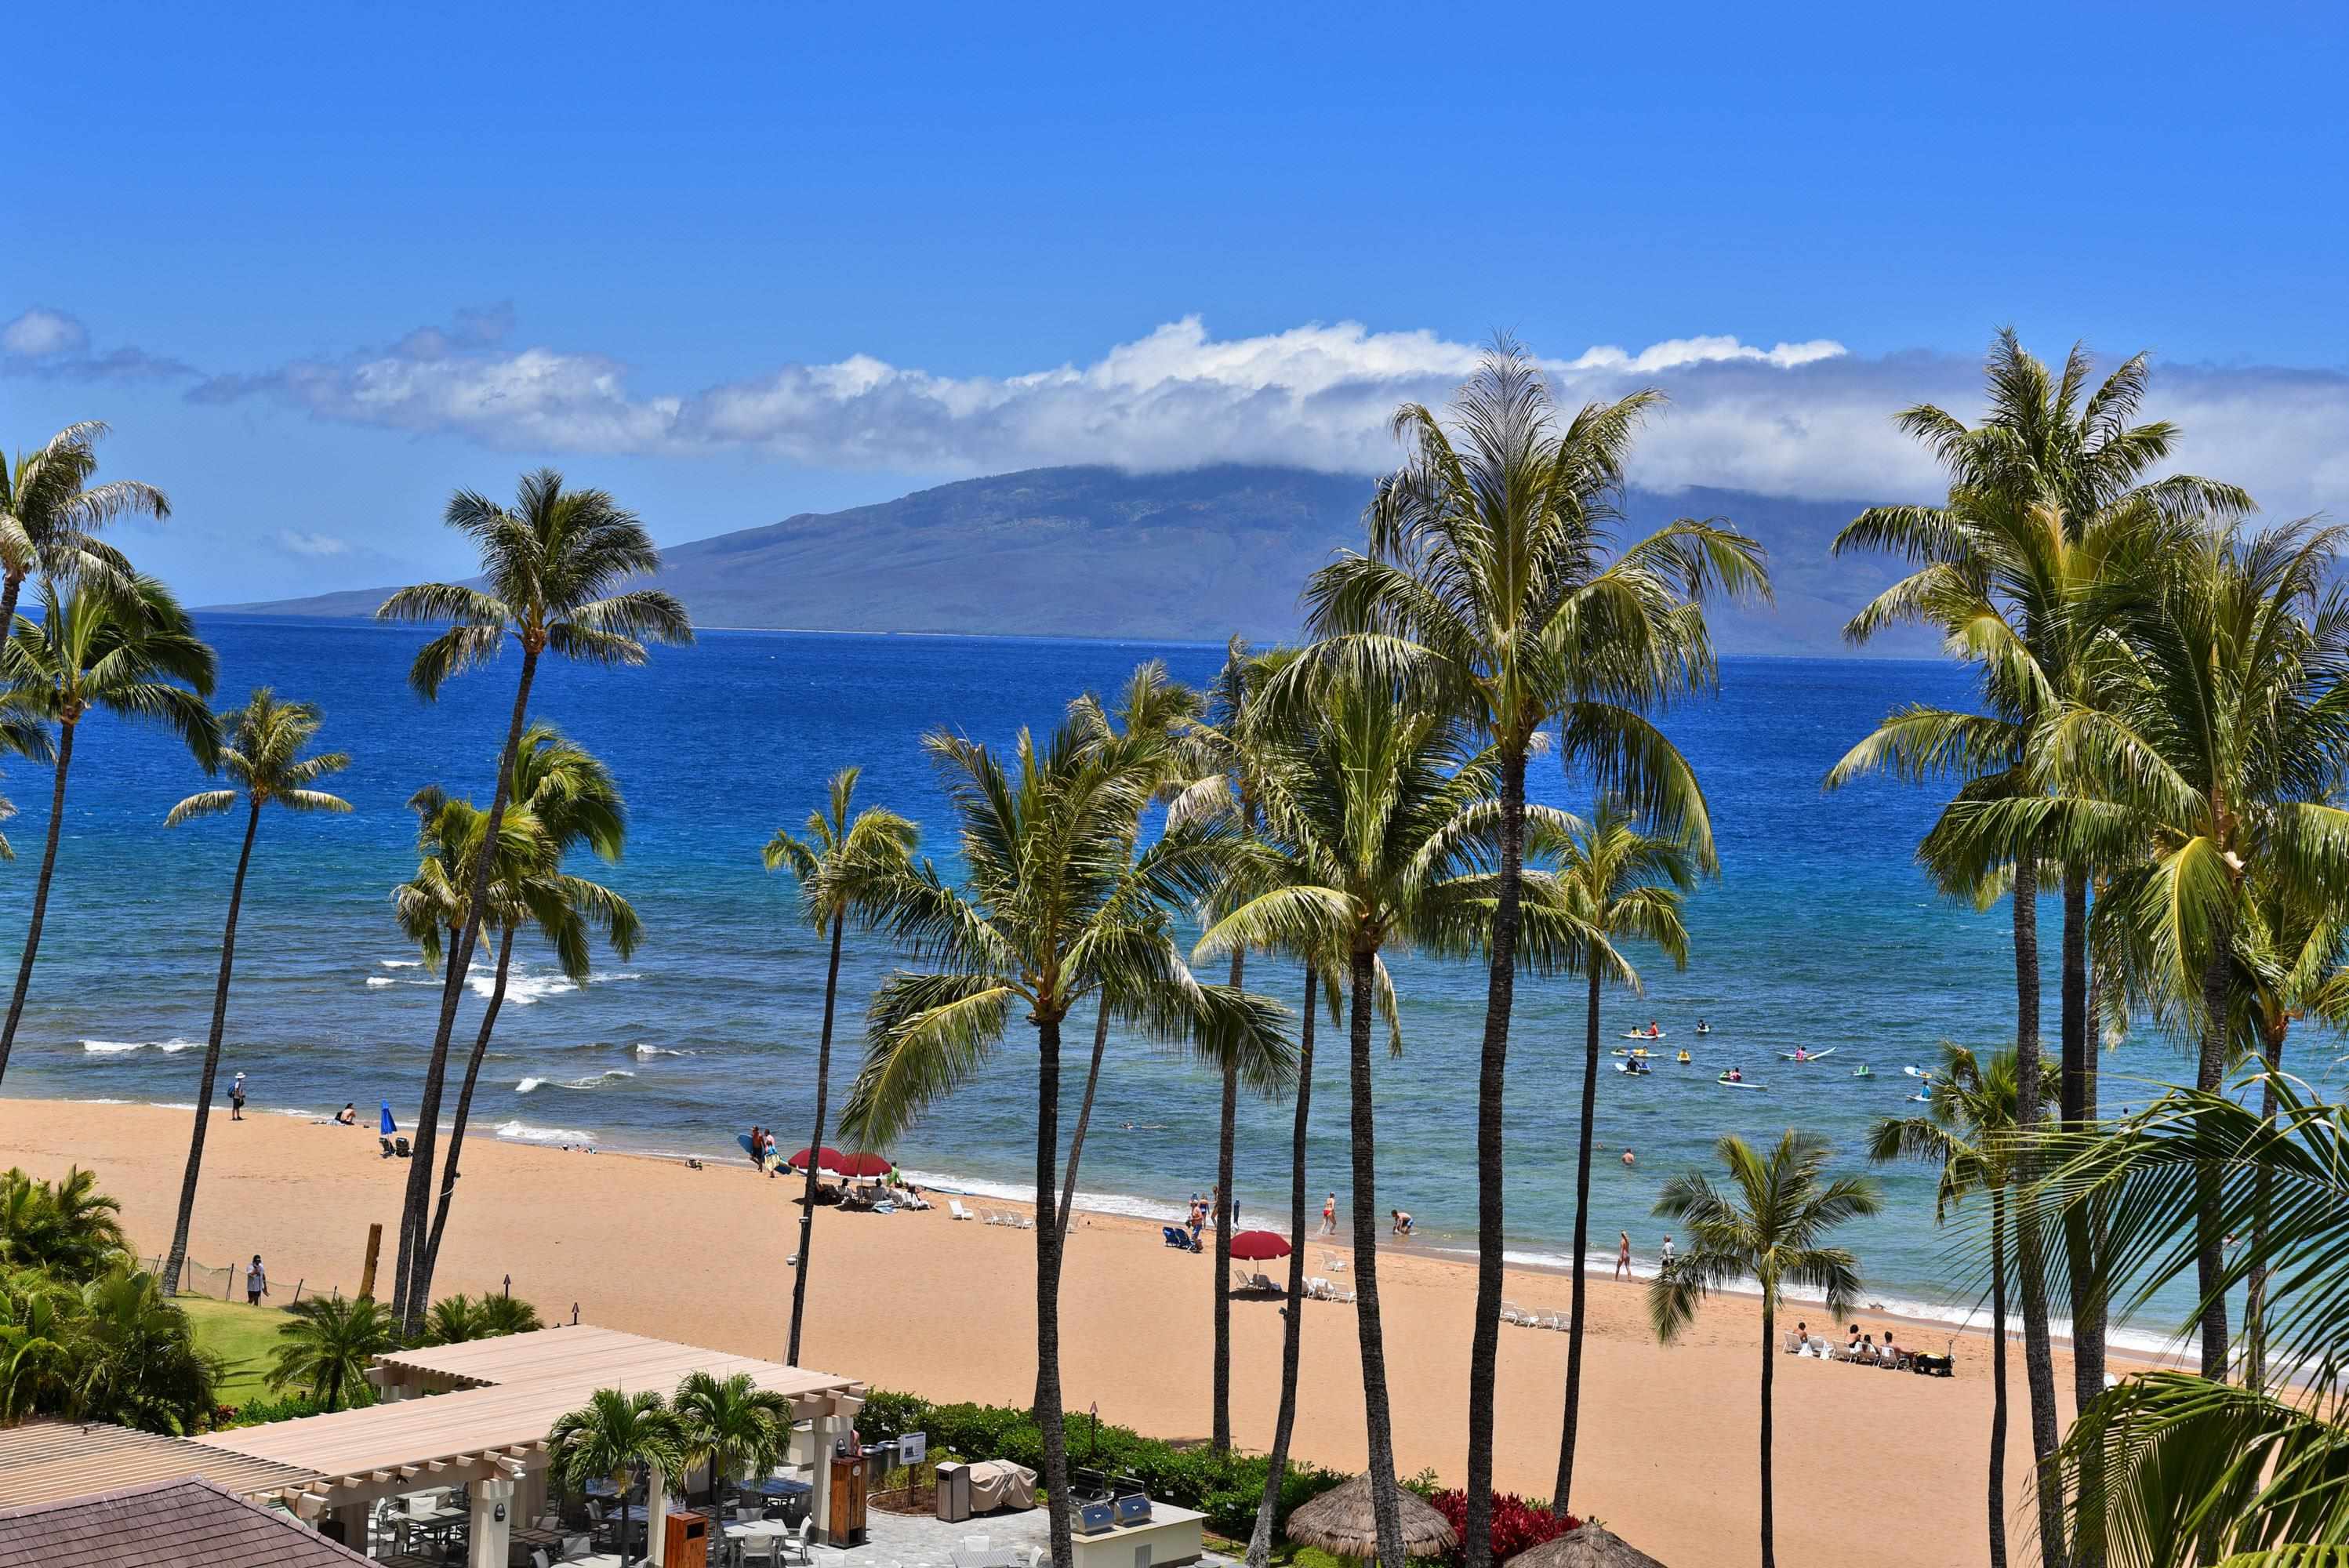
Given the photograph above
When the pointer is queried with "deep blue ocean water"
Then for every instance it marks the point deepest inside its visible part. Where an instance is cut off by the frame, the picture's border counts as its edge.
(1820, 932)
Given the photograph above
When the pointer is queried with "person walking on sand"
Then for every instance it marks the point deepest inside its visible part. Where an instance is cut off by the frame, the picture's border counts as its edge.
(1329, 1215)
(256, 1283)
(237, 1098)
(1623, 1255)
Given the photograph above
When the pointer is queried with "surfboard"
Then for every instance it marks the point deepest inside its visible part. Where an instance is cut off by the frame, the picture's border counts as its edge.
(1634, 1070)
(1808, 1056)
(1760, 1087)
(1918, 1072)
(1643, 1035)
(742, 1142)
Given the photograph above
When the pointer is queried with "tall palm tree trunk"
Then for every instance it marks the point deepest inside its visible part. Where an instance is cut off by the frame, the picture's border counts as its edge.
(1386, 1503)
(179, 1254)
(1259, 1548)
(2255, 1297)
(1047, 1291)
(1998, 1378)
(1084, 1116)
(822, 1092)
(464, 1113)
(40, 895)
(2077, 1108)
(1769, 1372)
(1221, 1428)
(2211, 1260)
(1563, 1491)
(1500, 997)
(2038, 1351)
(405, 1304)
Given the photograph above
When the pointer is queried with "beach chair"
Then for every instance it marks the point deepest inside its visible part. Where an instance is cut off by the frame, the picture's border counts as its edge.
(1177, 1236)
(1025, 1222)
(1512, 1313)
(387, 1147)
(1240, 1281)
(1264, 1282)
(1333, 1263)
(1318, 1288)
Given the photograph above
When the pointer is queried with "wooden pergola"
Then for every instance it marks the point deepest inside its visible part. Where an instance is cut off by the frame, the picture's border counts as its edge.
(479, 1414)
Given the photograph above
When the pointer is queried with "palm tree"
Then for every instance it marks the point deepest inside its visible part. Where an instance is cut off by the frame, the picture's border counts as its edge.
(461, 1319)
(262, 753)
(137, 1362)
(1969, 1138)
(1152, 711)
(2197, 1470)
(551, 566)
(843, 866)
(570, 800)
(66, 1228)
(133, 654)
(2048, 506)
(1620, 883)
(1386, 827)
(1769, 1226)
(2223, 732)
(1493, 576)
(732, 1426)
(51, 513)
(610, 1437)
(1058, 910)
(326, 1343)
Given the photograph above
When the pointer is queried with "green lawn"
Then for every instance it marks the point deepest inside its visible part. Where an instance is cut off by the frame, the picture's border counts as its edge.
(242, 1335)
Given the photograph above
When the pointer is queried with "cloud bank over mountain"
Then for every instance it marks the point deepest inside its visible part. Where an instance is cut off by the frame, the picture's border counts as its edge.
(1804, 420)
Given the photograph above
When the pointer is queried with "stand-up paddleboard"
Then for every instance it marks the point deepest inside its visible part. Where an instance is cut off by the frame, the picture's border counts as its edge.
(1634, 1069)
(1920, 1098)
(1808, 1056)
(1733, 1083)
(1637, 1055)
(1917, 1072)
(1643, 1035)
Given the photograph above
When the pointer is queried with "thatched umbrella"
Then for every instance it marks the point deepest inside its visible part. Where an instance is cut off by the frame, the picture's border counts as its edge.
(1339, 1521)
(1592, 1547)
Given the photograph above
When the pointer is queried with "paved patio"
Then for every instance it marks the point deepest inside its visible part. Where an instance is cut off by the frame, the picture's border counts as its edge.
(922, 1540)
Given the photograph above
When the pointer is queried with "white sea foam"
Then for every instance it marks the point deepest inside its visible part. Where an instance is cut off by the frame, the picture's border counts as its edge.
(522, 1131)
(521, 990)
(642, 1049)
(593, 1080)
(112, 1048)
(376, 980)
(401, 962)
(174, 1045)
(605, 977)
(528, 1084)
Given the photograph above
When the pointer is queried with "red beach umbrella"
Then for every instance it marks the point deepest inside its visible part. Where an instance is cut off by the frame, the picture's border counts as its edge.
(865, 1165)
(828, 1159)
(1257, 1246)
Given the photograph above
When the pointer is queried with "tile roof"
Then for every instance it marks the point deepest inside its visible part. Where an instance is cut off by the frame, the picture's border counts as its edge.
(184, 1523)
(41, 1461)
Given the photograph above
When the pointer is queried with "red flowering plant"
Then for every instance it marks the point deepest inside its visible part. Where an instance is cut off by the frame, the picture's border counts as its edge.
(1517, 1523)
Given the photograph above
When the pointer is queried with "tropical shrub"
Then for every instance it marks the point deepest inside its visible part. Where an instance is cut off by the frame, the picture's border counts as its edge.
(1518, 1523)
(1226, 1488)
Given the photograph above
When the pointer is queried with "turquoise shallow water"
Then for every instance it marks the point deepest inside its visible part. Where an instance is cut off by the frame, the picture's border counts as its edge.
(1819, 933)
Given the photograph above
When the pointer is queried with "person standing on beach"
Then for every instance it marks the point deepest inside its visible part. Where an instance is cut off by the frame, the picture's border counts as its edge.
(237, 1098)
(256, 1283)
(1623, 1255)
(1329, 1215)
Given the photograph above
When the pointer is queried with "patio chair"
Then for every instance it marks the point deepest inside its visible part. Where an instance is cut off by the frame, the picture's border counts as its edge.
(799, 1546)
(539, 1559)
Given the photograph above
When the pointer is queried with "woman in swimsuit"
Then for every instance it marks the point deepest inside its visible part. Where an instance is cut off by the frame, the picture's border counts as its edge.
(1623, 1255)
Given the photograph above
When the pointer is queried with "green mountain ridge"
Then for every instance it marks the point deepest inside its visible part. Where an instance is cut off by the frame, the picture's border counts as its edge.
(1189, 556)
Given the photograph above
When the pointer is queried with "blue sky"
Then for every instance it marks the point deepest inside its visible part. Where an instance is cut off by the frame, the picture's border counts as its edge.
(318, 266)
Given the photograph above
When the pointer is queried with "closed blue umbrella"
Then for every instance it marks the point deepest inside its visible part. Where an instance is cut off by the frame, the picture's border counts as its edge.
(390, 1126)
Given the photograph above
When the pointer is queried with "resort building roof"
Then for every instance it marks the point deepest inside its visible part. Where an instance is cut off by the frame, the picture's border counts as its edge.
(159, 1524)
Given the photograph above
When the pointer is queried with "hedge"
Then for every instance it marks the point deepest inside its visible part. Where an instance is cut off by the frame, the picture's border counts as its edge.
(1226, 1488)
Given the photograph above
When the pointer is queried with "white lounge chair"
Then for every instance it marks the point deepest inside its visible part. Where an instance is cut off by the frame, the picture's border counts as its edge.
(1025, 1222)
(1512, 1313)
(1318, 1288)
(1333, 1263)
(953, 1207)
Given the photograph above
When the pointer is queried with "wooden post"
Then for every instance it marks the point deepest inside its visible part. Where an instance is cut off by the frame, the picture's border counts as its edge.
(375, 1247)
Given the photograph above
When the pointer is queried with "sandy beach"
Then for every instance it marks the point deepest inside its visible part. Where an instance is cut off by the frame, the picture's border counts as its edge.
(1865, 1458)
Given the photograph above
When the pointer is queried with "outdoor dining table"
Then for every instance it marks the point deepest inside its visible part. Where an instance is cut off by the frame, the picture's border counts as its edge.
(738, 1535)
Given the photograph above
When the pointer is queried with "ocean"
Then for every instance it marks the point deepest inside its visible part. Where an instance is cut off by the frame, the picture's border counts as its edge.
(1819, 933)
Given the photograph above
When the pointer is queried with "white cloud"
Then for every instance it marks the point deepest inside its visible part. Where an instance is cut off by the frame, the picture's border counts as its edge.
(1800, 419)
(296, 542)
(39, 333)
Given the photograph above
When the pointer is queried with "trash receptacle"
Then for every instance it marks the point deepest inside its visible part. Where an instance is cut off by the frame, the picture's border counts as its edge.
(954, 1492)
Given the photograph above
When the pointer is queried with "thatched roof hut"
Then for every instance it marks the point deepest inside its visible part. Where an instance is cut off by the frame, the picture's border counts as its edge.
(1592, 1547)
(1339, 1521)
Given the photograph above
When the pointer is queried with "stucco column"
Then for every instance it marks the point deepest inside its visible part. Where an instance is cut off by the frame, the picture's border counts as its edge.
(819, 1505)
(492, 1523)
(655, 1515)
